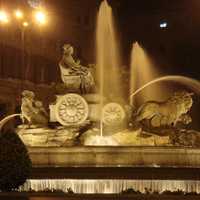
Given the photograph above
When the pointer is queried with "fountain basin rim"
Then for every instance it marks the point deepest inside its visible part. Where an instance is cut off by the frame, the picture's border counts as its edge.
(115, 156)
(111, 148)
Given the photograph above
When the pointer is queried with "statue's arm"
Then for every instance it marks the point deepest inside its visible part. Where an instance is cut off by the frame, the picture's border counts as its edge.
(69, 62)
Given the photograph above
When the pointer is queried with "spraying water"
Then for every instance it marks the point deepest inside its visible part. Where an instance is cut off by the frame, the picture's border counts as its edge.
(142, 71)
(8, 118)
(194, 84)
(108, 60)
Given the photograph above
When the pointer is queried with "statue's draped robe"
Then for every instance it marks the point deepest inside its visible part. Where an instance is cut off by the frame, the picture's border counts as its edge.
(70, 67)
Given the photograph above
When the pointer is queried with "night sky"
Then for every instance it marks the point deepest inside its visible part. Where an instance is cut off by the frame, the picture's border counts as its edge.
(176, 48)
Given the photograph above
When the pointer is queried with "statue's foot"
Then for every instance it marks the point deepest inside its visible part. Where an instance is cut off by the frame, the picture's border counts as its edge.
(32, 126)
(23, 126)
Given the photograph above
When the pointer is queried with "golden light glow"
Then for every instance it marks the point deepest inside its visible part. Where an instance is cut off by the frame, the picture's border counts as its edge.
(3, 17)
(19, 14)
(40, 17)
(25, 24)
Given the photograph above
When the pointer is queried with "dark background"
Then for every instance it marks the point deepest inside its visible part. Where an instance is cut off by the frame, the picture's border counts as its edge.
(175, 49)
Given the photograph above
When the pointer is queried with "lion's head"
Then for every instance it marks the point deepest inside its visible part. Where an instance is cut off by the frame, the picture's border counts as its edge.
(183, 101)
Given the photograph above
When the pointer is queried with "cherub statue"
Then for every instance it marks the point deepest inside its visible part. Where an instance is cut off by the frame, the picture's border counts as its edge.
(33, 110)
(69, 67)
(27, 105)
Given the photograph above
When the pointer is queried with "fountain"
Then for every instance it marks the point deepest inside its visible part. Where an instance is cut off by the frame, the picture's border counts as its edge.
(91, 111)
(91, 124)
(108, 58)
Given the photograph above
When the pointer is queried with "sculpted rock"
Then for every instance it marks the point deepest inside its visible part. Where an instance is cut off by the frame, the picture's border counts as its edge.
(167, 113)
(184, 137)
(33, 110)
(48, 137)
(73, 74)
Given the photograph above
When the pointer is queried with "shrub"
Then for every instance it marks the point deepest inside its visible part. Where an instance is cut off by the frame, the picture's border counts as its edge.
(130, 191)
(15, 164)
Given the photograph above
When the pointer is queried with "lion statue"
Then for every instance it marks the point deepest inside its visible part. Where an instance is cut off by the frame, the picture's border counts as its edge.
(167, 113)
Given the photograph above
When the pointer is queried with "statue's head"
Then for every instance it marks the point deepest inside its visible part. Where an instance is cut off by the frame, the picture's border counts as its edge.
(183, 99)
(28, 94)
(68, 49)
(188, 101)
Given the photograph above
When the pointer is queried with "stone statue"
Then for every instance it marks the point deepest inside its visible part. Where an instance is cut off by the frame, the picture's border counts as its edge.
(33, 110)
(73, 74)
(168, 113)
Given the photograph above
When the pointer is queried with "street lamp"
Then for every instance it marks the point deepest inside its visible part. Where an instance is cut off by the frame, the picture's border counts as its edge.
(25, 24)
(3, 16)
(19, 14)
(40, 17)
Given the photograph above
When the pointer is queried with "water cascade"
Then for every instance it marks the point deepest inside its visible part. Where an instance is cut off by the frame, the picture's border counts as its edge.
(111, 186)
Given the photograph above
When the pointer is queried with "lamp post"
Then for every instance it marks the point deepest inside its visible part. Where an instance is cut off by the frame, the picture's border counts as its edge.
(4, 19)
(19, 15)
(23, 51)
(39, 18)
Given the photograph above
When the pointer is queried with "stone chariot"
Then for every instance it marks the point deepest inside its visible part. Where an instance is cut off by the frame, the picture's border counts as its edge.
(74, 109)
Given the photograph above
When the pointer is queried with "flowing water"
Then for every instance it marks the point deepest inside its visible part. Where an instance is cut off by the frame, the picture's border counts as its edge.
(107, 57)
(111, 185)
(8, 118)
(192, 83)
(143, 70)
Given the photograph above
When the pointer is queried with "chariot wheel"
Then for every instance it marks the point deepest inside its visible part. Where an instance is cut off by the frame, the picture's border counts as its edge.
(71, 110)
(112, 114)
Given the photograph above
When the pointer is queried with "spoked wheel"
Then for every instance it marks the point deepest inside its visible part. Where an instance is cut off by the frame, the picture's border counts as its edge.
(71, 110)
(113, 113)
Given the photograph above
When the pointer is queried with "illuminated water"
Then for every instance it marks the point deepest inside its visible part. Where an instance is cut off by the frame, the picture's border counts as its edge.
(111, 186)
(192, 83)
(107, 57)
(143, 70)
(8, 118)
(101, 141)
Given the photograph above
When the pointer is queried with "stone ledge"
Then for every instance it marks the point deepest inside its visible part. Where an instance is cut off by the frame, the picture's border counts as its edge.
(62, 196)
(115, 157)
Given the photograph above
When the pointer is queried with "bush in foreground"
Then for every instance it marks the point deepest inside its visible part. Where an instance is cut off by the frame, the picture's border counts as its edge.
(15, 164)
